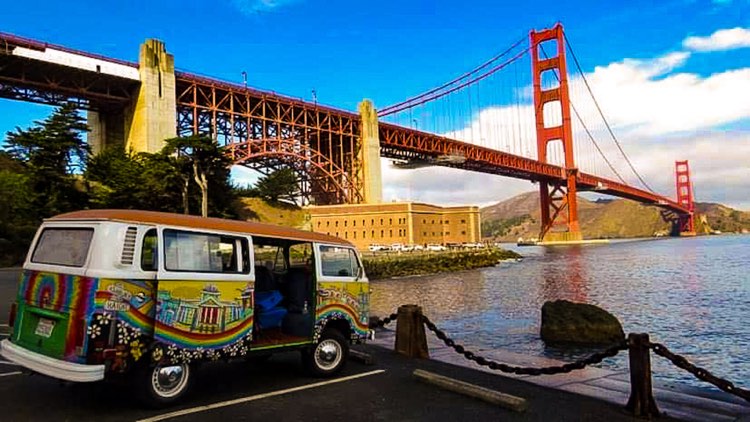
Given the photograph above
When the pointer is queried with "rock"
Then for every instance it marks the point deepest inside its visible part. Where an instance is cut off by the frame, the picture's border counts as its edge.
(569, 322)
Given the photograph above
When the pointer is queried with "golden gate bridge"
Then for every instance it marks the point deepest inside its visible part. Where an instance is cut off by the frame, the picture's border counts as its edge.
(517, 115)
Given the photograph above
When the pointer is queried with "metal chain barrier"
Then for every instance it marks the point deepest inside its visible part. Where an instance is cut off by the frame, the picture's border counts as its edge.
(385, 321)
(700, 373)
(519, 370)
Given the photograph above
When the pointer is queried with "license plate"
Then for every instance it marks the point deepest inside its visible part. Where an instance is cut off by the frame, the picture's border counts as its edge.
(44, 327)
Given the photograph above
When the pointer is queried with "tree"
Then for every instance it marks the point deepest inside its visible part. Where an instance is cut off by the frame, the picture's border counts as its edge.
(207, 163)
(52, 152)
(280, 184)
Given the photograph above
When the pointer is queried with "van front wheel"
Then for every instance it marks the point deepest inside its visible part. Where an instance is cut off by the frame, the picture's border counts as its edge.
(165, 384)
(329, 355)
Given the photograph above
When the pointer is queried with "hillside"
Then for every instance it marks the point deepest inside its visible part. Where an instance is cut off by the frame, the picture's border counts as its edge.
(519, 217)
(281, 214)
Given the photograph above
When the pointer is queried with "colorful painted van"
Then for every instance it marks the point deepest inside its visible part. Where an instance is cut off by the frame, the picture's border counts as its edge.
(108, 292)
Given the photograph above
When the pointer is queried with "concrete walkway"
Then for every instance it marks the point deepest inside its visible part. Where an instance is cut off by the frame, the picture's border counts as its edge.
(610, 386)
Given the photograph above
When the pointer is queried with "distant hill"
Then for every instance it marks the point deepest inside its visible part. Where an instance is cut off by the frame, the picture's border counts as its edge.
(618, 218)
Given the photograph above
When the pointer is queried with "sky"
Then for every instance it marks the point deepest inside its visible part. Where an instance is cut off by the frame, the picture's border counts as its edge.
(673, 77)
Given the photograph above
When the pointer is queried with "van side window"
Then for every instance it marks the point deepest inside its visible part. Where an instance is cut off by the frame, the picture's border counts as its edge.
(338, 261)
(204, 252)
(150, 251)
(63, 246)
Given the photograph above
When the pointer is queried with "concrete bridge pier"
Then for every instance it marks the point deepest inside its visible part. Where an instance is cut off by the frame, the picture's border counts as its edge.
(144, 124)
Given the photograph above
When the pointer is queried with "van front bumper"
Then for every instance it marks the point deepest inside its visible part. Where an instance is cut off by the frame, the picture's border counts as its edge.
(46, 365)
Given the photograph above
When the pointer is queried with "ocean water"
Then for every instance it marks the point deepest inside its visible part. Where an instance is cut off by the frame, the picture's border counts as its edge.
(691, 294)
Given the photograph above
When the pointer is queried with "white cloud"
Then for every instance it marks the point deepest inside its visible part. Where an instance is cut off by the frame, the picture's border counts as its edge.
(256, 6)
(723, 39)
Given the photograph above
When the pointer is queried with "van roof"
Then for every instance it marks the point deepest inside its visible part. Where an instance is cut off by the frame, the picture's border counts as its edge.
(196, 222)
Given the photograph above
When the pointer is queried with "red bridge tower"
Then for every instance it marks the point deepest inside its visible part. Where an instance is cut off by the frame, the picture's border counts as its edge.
(558, 197)
(686, 223)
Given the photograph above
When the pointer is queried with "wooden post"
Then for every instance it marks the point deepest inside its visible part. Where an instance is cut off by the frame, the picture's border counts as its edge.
(641, 402)
(410, 337)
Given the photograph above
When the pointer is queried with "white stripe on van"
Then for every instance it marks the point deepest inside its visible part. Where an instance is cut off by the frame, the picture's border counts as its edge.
(256, 397)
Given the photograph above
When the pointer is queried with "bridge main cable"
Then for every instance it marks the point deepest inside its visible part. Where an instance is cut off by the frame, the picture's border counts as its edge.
(435, 93)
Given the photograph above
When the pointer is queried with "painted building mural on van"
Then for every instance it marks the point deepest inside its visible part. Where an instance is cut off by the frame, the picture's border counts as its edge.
(200, 319)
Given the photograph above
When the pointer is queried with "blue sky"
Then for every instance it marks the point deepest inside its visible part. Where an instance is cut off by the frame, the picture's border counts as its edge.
(386, 51)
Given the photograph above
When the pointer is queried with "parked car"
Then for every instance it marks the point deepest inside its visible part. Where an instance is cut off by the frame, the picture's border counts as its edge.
(435, 247)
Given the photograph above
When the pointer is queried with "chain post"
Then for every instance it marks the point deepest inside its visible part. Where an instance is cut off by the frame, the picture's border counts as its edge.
(641, 402)
(410, 336)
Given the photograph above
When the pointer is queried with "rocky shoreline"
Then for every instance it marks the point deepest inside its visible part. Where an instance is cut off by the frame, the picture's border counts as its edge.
(406, 264)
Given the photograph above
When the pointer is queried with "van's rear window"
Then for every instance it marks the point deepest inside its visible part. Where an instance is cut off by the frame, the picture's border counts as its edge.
(63, 246)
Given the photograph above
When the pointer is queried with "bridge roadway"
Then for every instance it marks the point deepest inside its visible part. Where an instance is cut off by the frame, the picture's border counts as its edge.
(241, 117)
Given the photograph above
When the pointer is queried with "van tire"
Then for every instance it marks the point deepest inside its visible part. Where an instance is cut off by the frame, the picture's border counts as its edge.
(329, 355)
(163, 385)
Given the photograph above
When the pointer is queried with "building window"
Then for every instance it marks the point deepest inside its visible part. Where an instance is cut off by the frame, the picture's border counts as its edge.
(373, 234)
(433, 233)
(390, 233)
(337, 223)
(328, 224)
(463, 221)
(447, 233)
(318, 223)
(337, 234)
(346, 223)
(372, 222)
(381, 221)
(390, 221)
(424, 233)
(363, 222)
(381, 234)
(433, 221)
(354, 223)
(463, 232)
(355, 234)
(364, 234)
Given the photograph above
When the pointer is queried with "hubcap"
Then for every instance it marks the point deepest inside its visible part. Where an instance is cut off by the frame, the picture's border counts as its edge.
(169, 381)
(327, 354)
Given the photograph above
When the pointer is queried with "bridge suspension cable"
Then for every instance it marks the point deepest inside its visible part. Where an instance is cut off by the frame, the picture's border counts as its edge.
(601, 113)
(443, 90)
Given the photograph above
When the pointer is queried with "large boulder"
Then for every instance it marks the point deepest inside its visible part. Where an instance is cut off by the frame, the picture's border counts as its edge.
(569, 322)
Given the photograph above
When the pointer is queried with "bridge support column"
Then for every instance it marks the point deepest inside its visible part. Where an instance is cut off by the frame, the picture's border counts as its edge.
(153, 116)
(107, 129)
(558, 197)
(369, 154)
(685, 222)
(143, 125)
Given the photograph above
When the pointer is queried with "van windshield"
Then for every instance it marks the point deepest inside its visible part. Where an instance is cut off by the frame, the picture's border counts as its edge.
(63, 246)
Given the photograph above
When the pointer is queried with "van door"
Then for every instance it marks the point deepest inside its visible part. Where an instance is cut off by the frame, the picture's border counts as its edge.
(204, 296)
(343, 290)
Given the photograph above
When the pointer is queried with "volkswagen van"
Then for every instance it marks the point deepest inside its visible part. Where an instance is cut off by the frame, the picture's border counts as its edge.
(109, 292)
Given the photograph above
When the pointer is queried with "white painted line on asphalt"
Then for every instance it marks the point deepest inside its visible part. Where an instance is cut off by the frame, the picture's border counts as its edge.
(7, 374)
(256, 397)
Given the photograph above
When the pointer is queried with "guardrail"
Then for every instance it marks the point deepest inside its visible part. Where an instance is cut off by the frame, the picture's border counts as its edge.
(411, 341)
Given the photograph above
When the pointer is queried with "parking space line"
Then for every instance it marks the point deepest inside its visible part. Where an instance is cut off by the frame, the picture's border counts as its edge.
(256, 397)
(7, 374)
